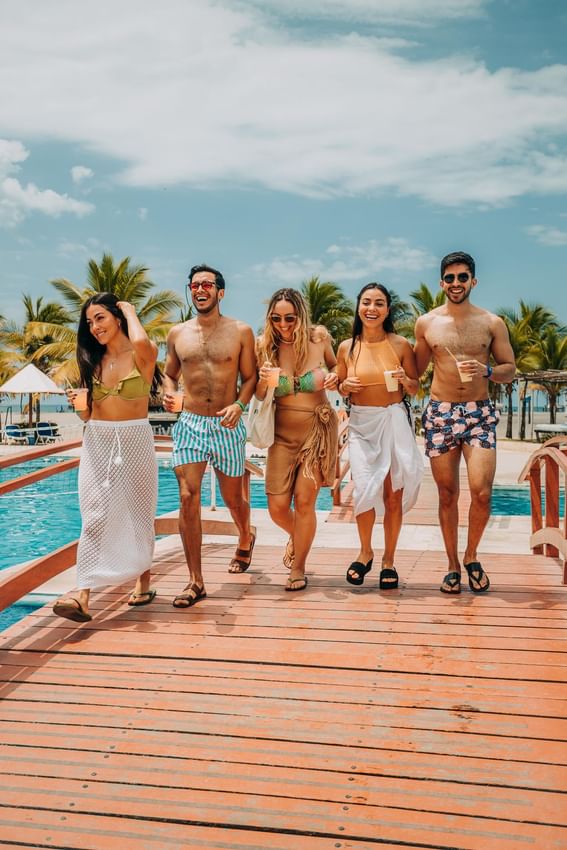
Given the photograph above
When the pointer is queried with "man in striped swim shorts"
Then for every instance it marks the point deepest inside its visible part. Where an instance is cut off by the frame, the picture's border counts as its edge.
(460, 420)
(215, 356)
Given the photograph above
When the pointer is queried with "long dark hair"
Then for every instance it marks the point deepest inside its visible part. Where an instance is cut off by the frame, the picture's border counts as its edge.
(357, 323)
(89, 350)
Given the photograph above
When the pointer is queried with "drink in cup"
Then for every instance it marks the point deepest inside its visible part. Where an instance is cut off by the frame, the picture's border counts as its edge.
(464, 376)
(79, 400)
(391, 381)
(178, 397)
(273, 376)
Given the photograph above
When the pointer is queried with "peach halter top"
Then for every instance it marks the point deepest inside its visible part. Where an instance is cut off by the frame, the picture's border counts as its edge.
(370, 360)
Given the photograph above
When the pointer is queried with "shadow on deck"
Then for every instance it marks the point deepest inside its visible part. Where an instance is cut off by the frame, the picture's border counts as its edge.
(333, 718)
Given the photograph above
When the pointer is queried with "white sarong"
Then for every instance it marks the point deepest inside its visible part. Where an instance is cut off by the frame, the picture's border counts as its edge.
(381, 440)
(118, 499)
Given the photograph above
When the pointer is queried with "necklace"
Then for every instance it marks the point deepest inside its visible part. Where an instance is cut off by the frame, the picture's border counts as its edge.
(204, 339)
(111, 363)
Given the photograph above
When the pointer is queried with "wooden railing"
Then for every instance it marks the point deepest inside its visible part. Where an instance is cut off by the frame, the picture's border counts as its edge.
(341, 467)
(15, 583)
(549, 531)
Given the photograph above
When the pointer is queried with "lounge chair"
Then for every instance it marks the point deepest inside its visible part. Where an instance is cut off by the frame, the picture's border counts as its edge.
(13, 435)
(46, 432)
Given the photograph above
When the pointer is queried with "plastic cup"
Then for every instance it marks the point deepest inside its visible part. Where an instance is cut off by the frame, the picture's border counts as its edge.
(465, 377)
(178, 397)
(391, 381)
(79, 401)
(273, 376)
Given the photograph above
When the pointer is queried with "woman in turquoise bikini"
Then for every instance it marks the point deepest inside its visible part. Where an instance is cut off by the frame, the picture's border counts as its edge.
(302, 457)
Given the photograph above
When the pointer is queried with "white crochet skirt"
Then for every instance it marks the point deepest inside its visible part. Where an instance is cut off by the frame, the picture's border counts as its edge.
(118, 498)
(381, 440)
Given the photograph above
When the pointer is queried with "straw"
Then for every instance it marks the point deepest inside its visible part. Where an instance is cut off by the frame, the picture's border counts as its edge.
(448, 350)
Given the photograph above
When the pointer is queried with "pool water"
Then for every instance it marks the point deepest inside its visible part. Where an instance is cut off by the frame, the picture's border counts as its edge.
(515, 501)
(19, 610)
(41, 517)
(44, 516)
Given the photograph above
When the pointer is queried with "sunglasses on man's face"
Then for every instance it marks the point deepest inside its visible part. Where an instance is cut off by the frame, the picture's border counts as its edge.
(289, 320)
(207, 285)
(462, 277)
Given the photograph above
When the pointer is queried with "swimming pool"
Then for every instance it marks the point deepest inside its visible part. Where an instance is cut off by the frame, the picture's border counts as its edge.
(44, 516)
(41, 517)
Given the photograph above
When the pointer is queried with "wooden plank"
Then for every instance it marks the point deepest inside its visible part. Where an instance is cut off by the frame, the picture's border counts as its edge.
(285, 782)
(358, 760)
(293, 815)
(337, 717)
(44, 828)
(39, 451)
(18, 582)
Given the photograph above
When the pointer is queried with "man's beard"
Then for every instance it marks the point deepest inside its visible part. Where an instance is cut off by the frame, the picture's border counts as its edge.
(204, 309)
(458, 299)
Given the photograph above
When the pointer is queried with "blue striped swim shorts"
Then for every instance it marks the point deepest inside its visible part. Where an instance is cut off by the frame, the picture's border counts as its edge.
(198, 439)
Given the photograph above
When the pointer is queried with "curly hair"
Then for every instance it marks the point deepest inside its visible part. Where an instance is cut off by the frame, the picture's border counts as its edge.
(269, 340)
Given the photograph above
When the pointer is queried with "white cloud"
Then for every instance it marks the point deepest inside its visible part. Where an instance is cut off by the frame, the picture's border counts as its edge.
(143, 213)
(18, 200)
(349, 262)
(247, 103)
(550, 236)
(371, 11)
(67, 248)
(80, 173)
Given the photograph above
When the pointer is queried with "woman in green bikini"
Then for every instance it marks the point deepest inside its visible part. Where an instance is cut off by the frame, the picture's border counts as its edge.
(302, 457)
(118, 470)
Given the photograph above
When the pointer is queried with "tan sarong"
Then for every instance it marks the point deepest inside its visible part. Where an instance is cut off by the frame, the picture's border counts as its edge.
(305, 440)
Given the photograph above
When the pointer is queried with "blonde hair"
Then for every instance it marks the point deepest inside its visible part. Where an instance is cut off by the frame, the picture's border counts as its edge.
(269, 340)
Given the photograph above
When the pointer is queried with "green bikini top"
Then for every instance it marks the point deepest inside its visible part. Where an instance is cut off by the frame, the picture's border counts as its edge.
(132, 387)
(310, 382)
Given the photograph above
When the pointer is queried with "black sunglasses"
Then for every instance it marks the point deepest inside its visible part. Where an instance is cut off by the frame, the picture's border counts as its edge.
(289, 320)
(462, 277)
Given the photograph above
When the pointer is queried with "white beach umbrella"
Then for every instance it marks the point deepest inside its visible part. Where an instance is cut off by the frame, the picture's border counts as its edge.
(30, 380)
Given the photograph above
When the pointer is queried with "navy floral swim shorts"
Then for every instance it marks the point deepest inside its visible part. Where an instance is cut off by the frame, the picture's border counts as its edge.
(449, 424)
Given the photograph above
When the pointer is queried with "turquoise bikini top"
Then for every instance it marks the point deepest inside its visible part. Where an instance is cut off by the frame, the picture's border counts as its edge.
(310, 382)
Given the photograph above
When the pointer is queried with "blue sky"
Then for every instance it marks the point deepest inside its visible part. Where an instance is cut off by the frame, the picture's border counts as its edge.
(277, 139)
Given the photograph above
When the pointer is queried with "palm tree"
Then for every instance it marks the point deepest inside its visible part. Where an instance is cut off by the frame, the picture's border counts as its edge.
(329, 306)
(129, 283)
(528, 324)
(549, 354)
(521, 340)
(19, 346)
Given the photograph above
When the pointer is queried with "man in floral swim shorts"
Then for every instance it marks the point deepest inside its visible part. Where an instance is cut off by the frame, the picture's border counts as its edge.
(460, 420)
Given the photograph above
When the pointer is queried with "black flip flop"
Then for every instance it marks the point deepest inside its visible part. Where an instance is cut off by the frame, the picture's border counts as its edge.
(452, 580)
(476, 574)
(361, 569)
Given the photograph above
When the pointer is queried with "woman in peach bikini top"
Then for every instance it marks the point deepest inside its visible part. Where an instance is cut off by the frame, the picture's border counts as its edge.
(376, 368)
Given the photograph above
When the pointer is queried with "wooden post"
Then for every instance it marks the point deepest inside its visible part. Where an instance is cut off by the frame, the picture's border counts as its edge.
(551, 502)
(535, 497)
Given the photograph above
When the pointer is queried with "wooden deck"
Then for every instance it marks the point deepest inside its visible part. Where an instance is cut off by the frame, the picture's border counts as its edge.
(333, 718)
